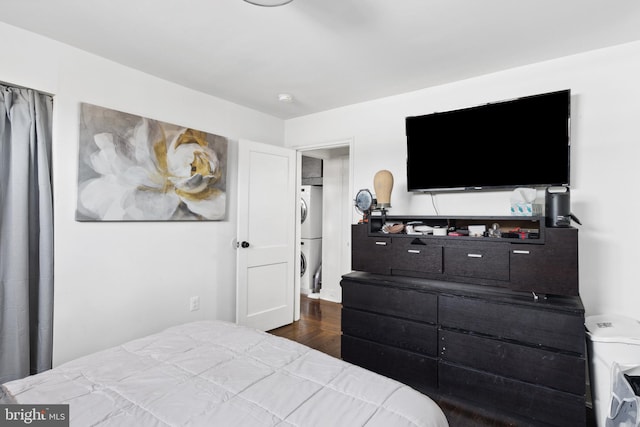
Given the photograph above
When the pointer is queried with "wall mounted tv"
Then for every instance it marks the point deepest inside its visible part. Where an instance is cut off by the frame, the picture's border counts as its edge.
(522, 142)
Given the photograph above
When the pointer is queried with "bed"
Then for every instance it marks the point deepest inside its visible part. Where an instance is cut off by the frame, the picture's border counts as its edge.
(213, 373)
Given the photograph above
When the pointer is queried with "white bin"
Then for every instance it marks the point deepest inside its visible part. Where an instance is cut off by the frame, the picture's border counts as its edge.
(612, 339)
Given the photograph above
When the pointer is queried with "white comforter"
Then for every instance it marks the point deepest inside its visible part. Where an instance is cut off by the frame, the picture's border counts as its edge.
(220, 374)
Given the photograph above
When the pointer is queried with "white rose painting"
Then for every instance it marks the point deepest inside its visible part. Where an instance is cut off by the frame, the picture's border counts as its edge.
(136, 169)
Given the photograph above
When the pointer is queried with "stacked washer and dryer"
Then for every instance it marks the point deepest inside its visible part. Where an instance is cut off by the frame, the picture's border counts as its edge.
(311, 239)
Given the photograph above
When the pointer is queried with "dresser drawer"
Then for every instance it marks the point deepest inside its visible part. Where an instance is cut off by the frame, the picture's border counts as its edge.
(401, 333)
(415, 255)
(541, 404)
(371, 254)
(551, 268)
(413, 369)
(489, 261)
(404, 303)
(533, 365)
(534, 326)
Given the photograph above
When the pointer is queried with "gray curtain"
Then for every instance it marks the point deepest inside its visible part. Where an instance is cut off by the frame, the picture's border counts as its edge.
(26, 233)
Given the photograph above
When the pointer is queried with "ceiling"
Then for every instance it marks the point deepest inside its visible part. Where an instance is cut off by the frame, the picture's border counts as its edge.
(325, 53)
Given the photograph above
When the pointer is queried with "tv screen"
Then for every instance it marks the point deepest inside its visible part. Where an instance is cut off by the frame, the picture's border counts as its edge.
(522, 142)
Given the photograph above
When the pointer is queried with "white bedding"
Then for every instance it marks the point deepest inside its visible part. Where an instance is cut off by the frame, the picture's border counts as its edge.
(220, 374)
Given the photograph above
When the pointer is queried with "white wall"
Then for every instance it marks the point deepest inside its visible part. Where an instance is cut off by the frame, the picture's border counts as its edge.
(605, 152)
(336, 228)
(117, 281)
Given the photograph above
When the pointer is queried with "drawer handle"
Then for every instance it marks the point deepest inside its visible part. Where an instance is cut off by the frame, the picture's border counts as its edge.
(381, 243)
(474, 255)
(413, 251)
(521, 252)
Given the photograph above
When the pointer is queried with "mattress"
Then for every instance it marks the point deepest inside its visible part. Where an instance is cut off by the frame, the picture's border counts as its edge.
(213, 373)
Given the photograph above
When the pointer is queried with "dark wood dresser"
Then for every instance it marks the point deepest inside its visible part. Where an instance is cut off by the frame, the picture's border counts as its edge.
(505, 334)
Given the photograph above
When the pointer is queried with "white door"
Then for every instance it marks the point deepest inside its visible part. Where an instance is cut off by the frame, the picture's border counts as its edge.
(266, 257)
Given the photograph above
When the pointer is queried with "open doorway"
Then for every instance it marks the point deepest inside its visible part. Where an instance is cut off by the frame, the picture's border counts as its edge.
(325, 254)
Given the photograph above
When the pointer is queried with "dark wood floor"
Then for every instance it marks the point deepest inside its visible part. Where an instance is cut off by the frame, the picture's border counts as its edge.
(318, 327)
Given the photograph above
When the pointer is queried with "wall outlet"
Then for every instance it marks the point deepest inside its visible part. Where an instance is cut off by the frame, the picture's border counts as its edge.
(194, 303)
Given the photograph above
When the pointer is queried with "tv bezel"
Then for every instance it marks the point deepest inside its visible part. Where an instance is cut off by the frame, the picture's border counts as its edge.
(505, 186)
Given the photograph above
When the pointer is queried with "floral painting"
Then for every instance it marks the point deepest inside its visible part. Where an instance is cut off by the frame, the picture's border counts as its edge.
(136, 169)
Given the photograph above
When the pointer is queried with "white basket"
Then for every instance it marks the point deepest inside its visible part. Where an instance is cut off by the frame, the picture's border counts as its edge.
(623, 411)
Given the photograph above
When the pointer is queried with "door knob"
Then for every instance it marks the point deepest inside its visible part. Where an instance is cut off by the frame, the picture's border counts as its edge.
(244, 244)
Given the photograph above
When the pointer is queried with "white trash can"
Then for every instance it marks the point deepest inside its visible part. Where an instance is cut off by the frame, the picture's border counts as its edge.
(612, 339)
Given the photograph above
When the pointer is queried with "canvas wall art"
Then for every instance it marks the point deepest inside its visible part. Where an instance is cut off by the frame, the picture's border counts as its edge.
(133, 168)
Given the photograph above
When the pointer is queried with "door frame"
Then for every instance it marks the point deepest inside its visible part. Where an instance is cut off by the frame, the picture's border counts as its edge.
(300, 150)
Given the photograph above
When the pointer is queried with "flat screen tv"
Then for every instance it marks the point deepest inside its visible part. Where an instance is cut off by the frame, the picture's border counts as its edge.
(522, 142)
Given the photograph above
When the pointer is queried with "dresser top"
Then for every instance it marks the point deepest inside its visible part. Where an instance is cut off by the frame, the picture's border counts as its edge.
(491, 293)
